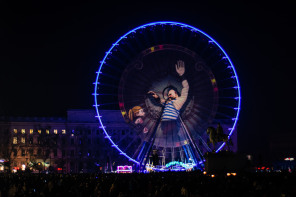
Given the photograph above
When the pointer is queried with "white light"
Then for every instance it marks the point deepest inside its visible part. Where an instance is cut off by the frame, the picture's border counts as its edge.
(289, 159)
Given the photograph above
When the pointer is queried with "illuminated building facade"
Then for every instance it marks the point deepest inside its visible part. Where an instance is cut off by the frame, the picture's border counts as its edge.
(69, 145)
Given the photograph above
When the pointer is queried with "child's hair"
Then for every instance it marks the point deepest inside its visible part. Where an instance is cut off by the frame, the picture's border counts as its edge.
(132, 112)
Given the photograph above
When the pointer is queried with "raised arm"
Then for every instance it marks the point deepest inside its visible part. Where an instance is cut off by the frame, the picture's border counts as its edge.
(179, 102)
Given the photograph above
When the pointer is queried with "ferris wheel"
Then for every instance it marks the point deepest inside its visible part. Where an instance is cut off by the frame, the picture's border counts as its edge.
(164, 64)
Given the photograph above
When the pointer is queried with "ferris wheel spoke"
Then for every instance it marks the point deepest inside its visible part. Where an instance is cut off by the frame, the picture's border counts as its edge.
(110, 76)
(205, 145)
(225, 115)
(109, 85)
(107, 104)
(130, 145)
(232, 108)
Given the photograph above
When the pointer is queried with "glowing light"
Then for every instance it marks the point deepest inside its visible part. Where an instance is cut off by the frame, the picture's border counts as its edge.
(204, 172)
(289, 159)
(14, 141)
(212, 175)
(184, 165)
(124, 169)
(162, 23)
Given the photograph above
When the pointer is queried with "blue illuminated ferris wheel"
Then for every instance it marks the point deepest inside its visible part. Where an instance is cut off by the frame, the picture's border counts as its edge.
(144, 60)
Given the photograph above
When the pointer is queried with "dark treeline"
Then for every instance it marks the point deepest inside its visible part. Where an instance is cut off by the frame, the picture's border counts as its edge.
(191, 184)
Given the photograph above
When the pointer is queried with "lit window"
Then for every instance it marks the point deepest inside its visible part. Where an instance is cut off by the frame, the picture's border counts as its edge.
(23, 140)
(63, 131)
(23, 131)
(39, 131)
(14, 140)
(31, 131)
(15, 130)
(55, 131)
(47, 131)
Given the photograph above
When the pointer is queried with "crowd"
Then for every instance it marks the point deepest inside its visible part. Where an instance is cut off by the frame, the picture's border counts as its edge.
(183, 184)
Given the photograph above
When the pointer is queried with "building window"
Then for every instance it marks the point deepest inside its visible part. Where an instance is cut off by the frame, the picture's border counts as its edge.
(31, 131)
(23, 131)
(47, 131)
(39, 140)
(23, 152)
(55, 131)
(63, 141)
(63, 131)
(30, 140)
(31, 152)
(14, 141)
(72, 141)
(15, 130)
(23, 140)
(39, 131)
(14, 152)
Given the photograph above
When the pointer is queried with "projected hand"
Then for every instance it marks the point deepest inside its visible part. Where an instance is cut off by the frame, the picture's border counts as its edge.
(180, 67)
(153, 94)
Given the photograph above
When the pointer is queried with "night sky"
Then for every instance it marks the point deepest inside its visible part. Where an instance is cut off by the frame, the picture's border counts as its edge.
(49, 54)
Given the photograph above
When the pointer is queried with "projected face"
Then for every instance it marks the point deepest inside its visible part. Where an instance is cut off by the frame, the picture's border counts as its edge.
(140, 113)
(172, 94)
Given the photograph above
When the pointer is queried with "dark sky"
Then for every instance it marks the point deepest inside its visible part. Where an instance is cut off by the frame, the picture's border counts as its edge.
(49, 53)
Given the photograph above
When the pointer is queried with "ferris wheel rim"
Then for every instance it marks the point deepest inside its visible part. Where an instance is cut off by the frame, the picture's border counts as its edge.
(183, 25)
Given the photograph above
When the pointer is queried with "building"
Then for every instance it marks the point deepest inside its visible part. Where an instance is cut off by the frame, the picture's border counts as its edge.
(70, 145)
